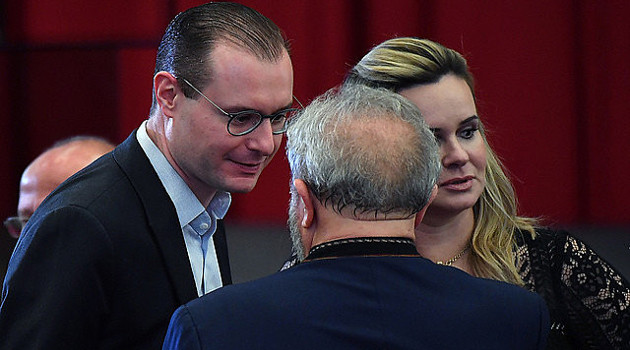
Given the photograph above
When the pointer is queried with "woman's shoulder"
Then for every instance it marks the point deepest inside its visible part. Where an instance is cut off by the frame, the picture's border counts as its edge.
(560, 251)
(543, 238)
(555, 240)
(583, 291)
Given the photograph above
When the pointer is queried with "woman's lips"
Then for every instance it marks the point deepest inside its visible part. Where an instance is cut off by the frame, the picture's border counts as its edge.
(458, 183)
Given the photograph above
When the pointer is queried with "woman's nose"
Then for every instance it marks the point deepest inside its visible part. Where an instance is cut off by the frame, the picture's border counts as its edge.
(454, 154)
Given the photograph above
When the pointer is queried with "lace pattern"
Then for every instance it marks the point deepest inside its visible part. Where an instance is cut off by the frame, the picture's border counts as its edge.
(588, 300)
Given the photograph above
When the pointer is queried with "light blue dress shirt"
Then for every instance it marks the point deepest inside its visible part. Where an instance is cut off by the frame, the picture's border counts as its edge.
(198, 224)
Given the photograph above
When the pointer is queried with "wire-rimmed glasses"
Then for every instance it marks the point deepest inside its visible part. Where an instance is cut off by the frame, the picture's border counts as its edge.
(243, 122)
(15, 225)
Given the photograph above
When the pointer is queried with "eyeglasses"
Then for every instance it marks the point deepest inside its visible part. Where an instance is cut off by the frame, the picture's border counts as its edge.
(15, 225)
(243, 122)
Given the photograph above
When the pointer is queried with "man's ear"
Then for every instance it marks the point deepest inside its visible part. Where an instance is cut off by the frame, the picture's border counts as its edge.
(166, 89)
(307, 203)
(420, 214)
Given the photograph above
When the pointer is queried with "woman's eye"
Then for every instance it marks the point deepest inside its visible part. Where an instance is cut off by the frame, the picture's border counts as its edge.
(436, 134)
(468, 133)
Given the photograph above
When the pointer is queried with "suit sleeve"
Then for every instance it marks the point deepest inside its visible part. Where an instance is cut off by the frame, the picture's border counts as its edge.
(182, 332)
(54, 291)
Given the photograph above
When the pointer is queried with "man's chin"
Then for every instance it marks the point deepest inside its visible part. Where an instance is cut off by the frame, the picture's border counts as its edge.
(241, 184)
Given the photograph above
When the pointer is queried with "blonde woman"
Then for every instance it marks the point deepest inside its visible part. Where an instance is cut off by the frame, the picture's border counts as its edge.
(473, 223)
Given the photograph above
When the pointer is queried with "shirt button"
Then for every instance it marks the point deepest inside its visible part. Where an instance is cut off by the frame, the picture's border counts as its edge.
(204, 226)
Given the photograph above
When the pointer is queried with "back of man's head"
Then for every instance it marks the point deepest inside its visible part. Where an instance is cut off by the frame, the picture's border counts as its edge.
(187, 44)
(364, 151)
(54, 166)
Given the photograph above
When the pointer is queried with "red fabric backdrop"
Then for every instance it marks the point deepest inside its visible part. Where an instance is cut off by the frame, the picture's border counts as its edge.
(552, 84)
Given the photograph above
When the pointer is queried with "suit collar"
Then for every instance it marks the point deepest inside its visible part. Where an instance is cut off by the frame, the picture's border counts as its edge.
(364, 246)
(161, 216)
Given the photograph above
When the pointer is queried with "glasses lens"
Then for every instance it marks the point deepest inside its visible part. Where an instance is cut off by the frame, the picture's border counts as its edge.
(242, 123)
(278, 123)
(14, 225)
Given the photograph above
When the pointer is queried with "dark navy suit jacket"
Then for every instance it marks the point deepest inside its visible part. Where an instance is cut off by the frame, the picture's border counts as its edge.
(102, 263)
(363, 303)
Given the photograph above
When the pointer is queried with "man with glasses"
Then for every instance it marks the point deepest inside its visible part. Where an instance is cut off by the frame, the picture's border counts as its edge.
(110, 256)
(43, 175)
(49, 170)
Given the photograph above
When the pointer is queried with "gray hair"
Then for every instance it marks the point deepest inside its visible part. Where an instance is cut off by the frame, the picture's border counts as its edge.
(368, 150)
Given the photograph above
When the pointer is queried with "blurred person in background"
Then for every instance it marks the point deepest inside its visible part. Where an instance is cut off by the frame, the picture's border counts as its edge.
(43, 175)
(49, 170)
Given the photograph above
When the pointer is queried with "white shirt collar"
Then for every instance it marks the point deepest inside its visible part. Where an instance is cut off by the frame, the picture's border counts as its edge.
(186, 203)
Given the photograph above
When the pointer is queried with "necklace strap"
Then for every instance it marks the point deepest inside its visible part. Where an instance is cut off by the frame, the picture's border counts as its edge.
(452, 260)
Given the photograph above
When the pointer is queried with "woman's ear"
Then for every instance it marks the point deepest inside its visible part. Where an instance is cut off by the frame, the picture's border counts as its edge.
(166, 89)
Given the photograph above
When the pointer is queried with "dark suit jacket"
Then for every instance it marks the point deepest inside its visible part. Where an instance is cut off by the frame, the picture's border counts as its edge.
(102, 263)
(363, 303)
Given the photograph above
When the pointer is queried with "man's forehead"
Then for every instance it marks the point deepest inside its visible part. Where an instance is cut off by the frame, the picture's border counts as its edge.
(242, 81)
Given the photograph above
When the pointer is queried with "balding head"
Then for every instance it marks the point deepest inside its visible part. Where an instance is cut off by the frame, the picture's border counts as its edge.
(54, 166)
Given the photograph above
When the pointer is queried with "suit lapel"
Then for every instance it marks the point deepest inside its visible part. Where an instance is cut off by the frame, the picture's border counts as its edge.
(220, 246)
(161, 214)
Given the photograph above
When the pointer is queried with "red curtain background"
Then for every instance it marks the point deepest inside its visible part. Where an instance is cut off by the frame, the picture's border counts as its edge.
(552, 84)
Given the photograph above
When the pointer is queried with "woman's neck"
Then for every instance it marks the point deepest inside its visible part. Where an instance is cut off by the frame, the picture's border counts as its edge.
(440, 238)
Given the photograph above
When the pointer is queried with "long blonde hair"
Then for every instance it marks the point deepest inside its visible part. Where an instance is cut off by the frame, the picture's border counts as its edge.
(403, 62)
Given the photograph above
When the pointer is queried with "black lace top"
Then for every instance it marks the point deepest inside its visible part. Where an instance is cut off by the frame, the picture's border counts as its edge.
(589, 302)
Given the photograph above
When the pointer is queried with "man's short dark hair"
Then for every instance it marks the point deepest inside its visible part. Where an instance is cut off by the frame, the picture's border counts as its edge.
(192, 35)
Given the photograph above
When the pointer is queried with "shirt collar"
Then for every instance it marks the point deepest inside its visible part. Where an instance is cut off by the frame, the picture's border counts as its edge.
(364, 246)
(220, 204)
(186, 203)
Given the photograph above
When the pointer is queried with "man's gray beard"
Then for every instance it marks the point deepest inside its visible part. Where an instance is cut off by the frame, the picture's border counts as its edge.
(294, 227)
